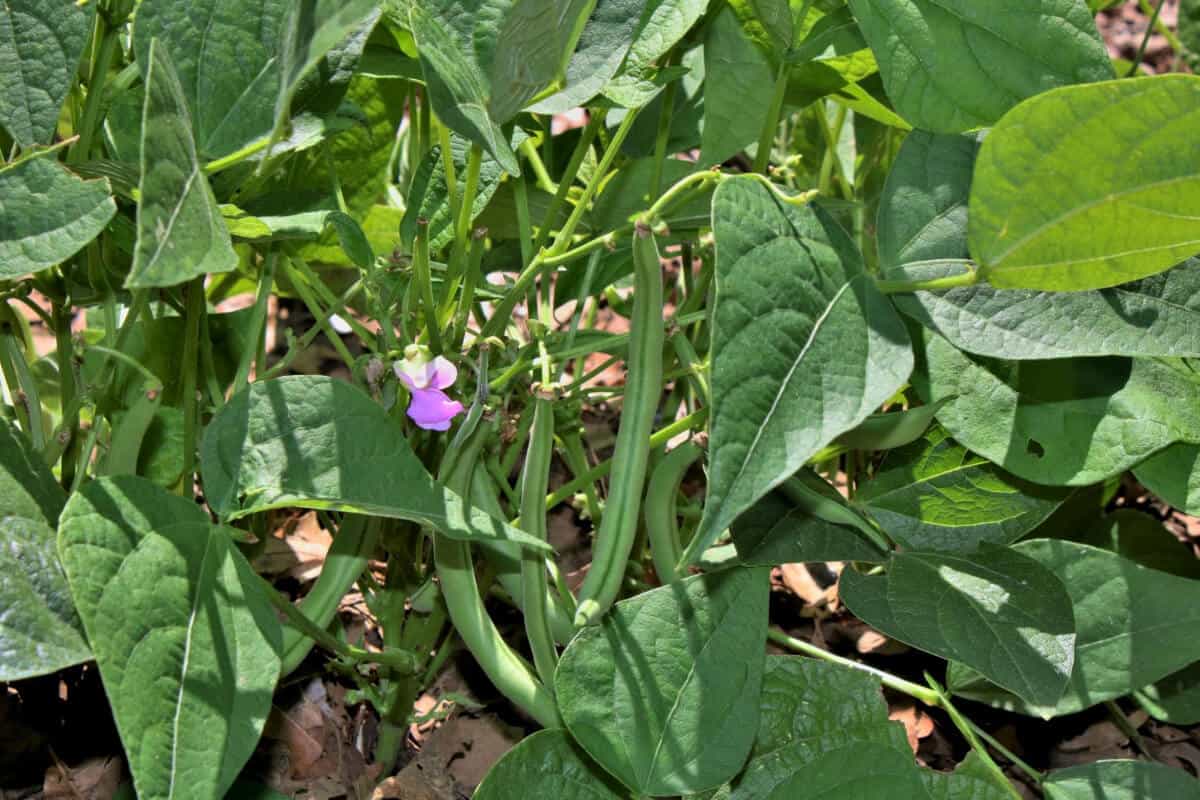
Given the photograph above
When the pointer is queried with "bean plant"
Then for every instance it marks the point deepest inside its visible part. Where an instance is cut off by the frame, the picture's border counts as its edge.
(904, 285)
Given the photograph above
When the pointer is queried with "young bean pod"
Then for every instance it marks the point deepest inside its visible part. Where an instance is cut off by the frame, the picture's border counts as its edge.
(662, 529)
(534, 479)
(643, 388)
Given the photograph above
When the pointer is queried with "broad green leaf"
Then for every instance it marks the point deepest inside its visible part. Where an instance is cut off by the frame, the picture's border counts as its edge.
(824, 732)
(186, 644)
(1135, 625)
(40, 45)
(923, 234)
(996, 610)
(1175, 698)
(602, 47)
(484, 61)
(953, 65)
(47, 215)
(1062, 422)
(311, 29)
(662, 25)
(656, 693)
(804, 347)
(1174, 475)
(737, 92)
(27, 487)
(1113, 174)
(226, 54)
(316, 442)
(40, 632)
(934, 495)
(769, 24)
(547, 764)
(889, 430)
(1142, 539)
(777, 530)
(180, 230)
(1121, 780)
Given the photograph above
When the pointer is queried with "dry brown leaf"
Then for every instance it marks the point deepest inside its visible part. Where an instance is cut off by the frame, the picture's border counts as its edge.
(94, 779)
(298, 550)
(917, 724)
(872, 641)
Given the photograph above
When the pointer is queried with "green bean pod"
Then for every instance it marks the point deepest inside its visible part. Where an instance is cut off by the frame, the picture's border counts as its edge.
(662, 528)
(128, 434)
(535, 477)
(456, 571)
(643, 389)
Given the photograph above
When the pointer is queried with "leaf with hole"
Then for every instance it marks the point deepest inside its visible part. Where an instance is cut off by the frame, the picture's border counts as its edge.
(656, 692)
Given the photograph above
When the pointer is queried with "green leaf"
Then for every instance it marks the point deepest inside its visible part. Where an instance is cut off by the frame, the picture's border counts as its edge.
(804, 347)
(1174, 475)
(1175, 698)
(602, 47)
(1121, 780)
(768, 24)
(226, 54)
(953, 65)
(656, 693)
(180, 230)
(311, 29)
(923, 234)
(186, 644)
(997, 610)
(1135, 625)
(889, 430)
(40, 632)
(41, 42)
(47, 215)
(662, 25)
(27, 487)
(776, 530)
(934, 495)
(1116, 177)
(1142, 539)
(484, 61)
(1061, 422)
(547, 764)
(429, 197)
(738, 90)
(824, 732)
(316, 442)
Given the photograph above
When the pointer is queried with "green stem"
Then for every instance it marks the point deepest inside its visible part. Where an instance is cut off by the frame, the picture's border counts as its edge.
(968, 731)
(568, 178)
(968, 278)
(237, 157)
(1033, 774)
(544, 181)
(766, 139)
(196, 308)
(23, 387)
(110, 39)
(663, 135)
(258, 323)
(1150, 26)
(424, 279)
(300, 284)
(64, 352)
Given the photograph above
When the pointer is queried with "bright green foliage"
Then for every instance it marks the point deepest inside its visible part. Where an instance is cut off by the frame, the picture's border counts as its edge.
(1121, 780)
(934, 495)
(484, 61)
(547, 764)
(737, 91)
(40, 44)
(953, 65)
(656, 693)
(1089, 186)
(430, 198)
(316, 442)
(996, 610)
(186, 644)
(602, 47)
(1134, 626)
(1065, 422)
(47, 215)
(226, 54)
(180, 230)
(40, 632)
(804, 347)
(663, 23)
(1174, 475)
(825, 728)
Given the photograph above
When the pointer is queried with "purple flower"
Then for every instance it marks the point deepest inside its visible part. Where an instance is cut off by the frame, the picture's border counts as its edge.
(430, 407)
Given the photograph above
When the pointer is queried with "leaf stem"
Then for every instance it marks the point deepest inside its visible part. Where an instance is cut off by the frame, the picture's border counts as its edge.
(196, 308)
(766, 139)
(110, 39)
(915, 690)
(968, 278)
